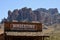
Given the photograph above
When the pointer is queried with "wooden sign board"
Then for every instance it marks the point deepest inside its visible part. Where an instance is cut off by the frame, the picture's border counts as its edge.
(23, 26)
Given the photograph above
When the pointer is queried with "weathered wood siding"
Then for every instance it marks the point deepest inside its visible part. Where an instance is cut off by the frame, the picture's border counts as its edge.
(38, 26)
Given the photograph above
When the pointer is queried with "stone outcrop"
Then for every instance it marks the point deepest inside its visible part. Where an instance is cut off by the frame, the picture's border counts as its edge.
(47, 17)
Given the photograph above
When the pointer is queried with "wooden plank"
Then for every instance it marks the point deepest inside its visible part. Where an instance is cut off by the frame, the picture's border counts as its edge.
(1, 36)
(32, 27)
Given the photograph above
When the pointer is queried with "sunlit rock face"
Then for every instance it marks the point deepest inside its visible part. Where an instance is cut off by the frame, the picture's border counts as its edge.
(43, 15)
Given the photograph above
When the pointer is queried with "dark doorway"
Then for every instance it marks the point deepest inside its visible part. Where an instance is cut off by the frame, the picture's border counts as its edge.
(23, 38)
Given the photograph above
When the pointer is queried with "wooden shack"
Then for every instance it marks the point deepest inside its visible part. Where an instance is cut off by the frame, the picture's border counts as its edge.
(23, 31)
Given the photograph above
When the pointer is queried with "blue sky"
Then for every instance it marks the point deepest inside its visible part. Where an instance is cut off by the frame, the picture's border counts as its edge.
(6, 5)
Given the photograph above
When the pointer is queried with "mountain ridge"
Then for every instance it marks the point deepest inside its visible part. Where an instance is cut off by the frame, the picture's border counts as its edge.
(42, 15)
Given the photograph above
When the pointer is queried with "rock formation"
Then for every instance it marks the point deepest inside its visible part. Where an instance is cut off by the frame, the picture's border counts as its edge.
(42, 15)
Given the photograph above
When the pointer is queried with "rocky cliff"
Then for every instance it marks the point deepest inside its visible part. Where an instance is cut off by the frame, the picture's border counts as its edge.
(42, 15)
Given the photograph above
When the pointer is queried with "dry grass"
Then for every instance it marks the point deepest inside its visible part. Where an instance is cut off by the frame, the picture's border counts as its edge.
(1, 31)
